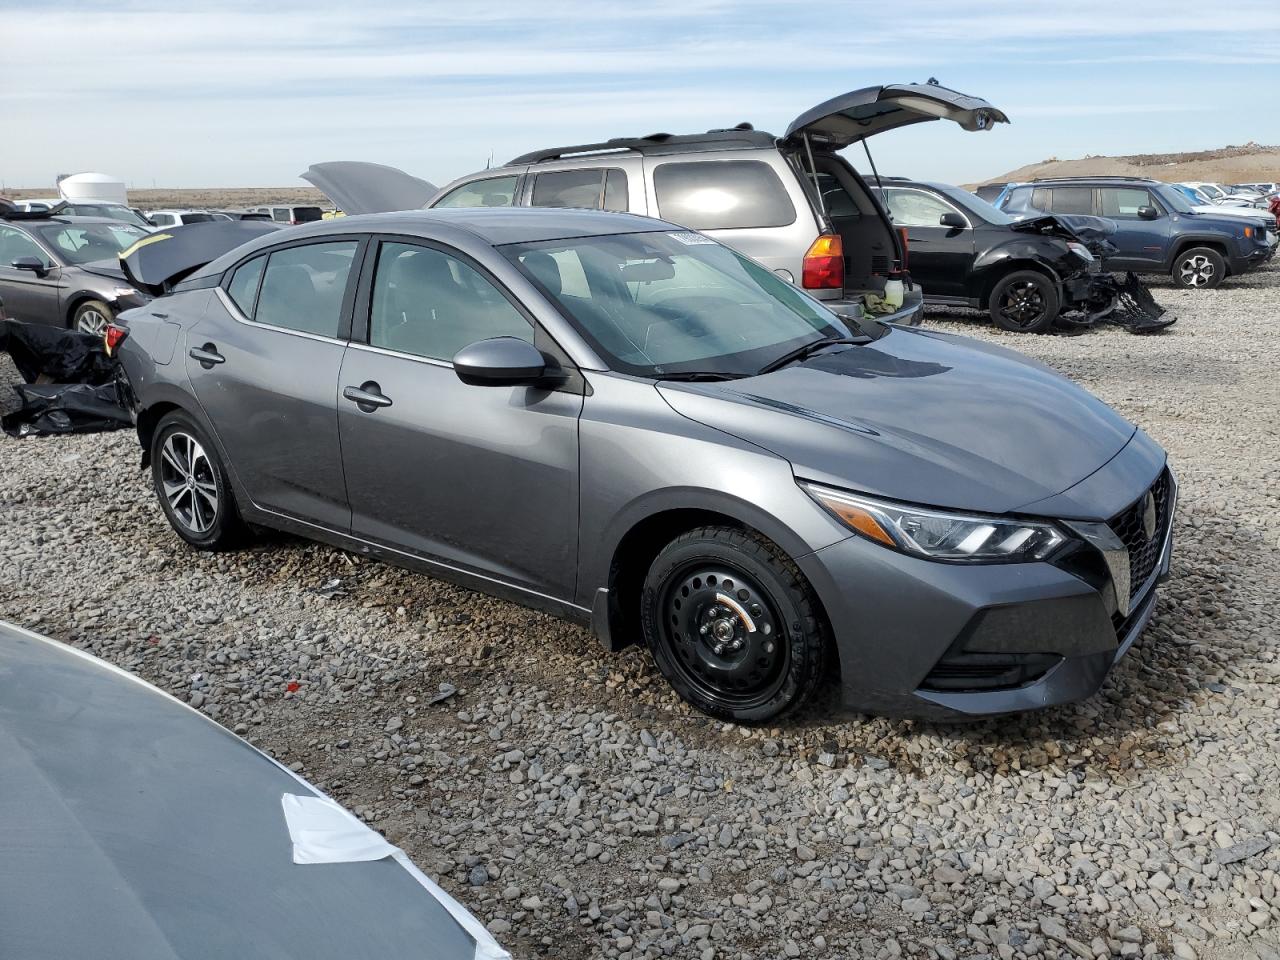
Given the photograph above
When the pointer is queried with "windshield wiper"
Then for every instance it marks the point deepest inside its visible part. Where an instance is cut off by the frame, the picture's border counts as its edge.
(800, 353)
(699, 376)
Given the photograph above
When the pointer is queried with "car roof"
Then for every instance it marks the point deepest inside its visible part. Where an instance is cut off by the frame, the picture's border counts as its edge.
(496, 225)
(70, 221)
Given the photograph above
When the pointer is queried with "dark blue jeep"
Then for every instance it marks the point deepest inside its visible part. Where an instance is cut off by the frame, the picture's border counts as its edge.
(1159, 231)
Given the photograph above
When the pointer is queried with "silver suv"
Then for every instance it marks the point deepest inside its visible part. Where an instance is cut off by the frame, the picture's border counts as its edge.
(792, 202)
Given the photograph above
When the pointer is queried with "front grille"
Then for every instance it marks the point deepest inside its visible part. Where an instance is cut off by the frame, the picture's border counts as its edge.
(1129, 525)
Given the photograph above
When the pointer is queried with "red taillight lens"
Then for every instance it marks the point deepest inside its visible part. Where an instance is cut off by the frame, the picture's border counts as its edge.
(906, 247)
(113, 337)
(824, 264)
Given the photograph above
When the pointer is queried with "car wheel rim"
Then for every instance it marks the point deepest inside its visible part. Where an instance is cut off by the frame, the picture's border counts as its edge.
(724, 636)
(189, 486)
(92, 321)
(1197, 271)
(1022, 303)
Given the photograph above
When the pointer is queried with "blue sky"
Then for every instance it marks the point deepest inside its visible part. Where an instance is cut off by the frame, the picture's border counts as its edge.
(249, 93)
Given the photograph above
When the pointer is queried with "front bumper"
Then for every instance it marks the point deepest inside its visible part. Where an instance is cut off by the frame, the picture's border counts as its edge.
(949, 641)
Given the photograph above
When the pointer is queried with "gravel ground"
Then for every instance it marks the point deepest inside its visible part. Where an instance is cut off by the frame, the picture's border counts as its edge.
(571, 801)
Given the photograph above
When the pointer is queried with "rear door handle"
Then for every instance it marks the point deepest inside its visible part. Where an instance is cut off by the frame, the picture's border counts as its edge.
(208, 356)
(368, 396)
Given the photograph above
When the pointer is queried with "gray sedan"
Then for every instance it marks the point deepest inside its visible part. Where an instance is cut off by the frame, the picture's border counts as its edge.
(632, 426)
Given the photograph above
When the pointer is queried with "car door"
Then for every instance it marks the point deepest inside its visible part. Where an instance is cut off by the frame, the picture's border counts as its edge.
(264, 365)
(483, 479)
(29, 295)
(1142, 242)
(941, 257)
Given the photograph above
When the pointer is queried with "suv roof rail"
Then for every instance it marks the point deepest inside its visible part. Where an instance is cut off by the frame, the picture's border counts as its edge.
(742, 137)
(1108, 176)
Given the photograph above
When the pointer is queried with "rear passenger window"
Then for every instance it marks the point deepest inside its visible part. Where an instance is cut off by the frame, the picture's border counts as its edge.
(494, 192)
(1071, 200)
(722, 194)
(280, 215)
(303, 287)
(593, 189)
(243, 288)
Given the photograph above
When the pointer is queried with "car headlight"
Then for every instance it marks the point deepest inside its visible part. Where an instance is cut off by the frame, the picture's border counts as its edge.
(120, 292)
(939, 534)
(1080, 250)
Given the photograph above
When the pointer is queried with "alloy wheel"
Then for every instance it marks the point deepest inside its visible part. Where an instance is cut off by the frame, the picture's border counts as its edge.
(1196, 271)
(91, 321)
(724, 635)
(190, 487)
(1022, 303)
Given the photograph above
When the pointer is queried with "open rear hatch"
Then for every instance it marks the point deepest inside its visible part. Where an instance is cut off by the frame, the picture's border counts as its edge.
(359, 187)
(851, 117)
(158, 261)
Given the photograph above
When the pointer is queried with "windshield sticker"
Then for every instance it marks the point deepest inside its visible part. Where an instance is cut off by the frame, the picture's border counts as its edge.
(690, 239)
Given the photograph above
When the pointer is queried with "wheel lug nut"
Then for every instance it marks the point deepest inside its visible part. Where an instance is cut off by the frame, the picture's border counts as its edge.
(704, 630)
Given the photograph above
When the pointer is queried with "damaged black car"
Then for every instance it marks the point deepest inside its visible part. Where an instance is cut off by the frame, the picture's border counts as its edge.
(1030, 275)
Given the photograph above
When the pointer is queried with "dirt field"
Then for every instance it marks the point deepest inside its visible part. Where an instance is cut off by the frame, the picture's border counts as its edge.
(229, 198)
(1249, 163)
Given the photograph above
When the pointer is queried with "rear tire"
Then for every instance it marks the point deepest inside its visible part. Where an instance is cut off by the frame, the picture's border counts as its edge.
(92, 317)
(1199, 268)
(1024, 302)
(192, 485)
(733, 625)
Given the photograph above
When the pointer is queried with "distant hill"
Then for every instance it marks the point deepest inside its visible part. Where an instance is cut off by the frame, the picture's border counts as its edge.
(1250, 163)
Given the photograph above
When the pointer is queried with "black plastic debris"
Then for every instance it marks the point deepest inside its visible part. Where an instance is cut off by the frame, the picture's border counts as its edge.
(71, 384)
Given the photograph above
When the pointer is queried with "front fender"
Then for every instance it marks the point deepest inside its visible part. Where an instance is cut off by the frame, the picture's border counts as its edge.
(998, 260)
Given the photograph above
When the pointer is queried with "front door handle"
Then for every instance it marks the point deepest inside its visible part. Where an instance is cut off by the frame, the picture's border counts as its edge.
(368, 396)
(208, 356)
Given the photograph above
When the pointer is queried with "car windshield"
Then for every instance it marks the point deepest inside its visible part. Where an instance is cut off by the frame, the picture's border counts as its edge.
(1172, 197)
(87, 242)
(974, 204)
(671, 303)
(109, 210)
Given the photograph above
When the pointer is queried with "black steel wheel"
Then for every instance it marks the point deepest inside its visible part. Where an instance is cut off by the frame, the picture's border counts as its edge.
(1024, 302)
(733, 625)
(192, 485)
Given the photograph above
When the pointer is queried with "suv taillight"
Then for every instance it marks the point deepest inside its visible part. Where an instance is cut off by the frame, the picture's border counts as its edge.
(824, 264)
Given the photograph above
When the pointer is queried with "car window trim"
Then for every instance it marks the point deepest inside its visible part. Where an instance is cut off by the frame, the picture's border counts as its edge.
(945, 201)
(348, 297)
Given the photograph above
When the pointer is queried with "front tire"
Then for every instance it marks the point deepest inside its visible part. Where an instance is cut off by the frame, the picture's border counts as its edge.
(92, 317)
(733, 625)
(192, 485)
(1024, 302)
(1199, 268)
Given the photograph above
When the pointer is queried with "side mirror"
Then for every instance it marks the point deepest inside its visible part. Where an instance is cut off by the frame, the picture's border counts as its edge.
(34, 264)
(1148, 213)
(953, 220)
(500, 362)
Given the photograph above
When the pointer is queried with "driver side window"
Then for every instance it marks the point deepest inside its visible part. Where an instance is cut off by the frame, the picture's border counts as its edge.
(913, 208)
(15, 245)
(429, 304)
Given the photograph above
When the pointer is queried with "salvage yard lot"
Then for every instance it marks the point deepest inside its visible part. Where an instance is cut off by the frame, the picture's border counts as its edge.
(580, 809)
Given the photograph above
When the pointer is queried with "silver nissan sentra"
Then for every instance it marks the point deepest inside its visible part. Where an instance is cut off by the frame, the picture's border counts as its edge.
(630, 425)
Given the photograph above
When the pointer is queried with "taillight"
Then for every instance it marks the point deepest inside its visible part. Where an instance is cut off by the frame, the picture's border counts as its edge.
(112, 337)
(906, 247)
(824, 264)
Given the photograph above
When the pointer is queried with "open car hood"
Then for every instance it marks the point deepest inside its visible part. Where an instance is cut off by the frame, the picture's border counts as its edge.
(854, 116)
(158, 261)
(1067, 226)
(359, 187)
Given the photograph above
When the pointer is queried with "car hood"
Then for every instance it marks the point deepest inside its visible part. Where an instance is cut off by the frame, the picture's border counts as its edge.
(919, 416)
(853, 116)
(1234, 213)
(359, 187)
